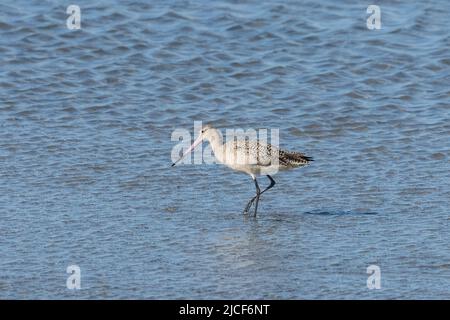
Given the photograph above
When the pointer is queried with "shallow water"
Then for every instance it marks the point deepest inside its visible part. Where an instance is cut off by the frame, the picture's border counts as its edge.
(85, 140)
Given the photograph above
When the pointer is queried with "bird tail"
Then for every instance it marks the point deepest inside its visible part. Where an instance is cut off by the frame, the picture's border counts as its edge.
(296, 159)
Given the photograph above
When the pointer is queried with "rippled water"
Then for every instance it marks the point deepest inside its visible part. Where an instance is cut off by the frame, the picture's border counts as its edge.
(86, 118)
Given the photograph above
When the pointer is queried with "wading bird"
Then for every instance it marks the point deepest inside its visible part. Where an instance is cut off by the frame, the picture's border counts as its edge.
(249, 156)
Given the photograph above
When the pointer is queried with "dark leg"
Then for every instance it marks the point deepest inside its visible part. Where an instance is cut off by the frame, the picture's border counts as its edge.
(258, 193)
(249, 204)
(272, 183)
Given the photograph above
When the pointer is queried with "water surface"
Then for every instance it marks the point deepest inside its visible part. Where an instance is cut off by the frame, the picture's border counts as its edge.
(86, 118)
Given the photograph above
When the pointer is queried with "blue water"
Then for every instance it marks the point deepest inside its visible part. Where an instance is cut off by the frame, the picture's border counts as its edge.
(86, 118)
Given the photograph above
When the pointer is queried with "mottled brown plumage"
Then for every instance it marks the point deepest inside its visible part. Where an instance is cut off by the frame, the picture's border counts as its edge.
(293, 159)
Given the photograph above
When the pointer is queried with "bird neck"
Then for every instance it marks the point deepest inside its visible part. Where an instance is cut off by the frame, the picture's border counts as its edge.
(215, 139)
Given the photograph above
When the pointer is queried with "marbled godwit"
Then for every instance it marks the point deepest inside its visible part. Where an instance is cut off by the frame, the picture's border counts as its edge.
(249, 156)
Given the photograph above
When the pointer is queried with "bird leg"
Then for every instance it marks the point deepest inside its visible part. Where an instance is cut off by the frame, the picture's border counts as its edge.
(258, 193)
(249, 204)
(272, 183)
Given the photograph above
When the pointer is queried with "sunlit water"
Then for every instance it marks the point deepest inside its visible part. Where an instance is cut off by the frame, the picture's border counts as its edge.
(86, 118)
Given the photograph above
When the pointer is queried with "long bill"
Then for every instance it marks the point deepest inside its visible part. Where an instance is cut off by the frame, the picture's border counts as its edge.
(192, 147)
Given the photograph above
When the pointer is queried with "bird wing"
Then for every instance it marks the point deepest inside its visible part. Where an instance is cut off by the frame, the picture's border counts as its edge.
(251, 152)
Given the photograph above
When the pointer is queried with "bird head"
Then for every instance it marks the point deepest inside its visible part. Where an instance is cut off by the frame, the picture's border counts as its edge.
(205, 133)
